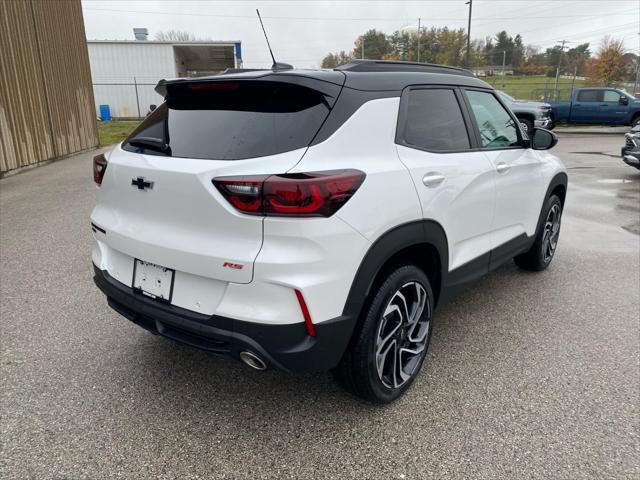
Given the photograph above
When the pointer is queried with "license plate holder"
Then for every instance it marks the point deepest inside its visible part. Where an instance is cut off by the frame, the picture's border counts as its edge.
(153, 281)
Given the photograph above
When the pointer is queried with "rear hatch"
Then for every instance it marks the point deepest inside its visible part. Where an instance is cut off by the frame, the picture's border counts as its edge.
(157, 202)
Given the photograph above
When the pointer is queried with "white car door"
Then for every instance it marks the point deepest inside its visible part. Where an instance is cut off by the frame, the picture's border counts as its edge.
(518, 171)
(455, 184)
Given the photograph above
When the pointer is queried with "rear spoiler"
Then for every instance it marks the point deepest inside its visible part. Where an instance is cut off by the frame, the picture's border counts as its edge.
(328, 83)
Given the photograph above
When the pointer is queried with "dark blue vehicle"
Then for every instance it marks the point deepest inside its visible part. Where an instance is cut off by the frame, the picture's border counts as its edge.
(601, 106)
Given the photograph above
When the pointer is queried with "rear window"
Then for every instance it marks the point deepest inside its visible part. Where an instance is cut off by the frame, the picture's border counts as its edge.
(230, 121)
(434, 121)
(590, 96)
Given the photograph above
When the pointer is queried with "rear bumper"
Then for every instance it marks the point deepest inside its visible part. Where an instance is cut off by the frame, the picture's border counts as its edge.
(285, 347)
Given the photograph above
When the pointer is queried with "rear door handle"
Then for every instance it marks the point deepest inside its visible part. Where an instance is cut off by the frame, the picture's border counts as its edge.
(432, 179)
(503, 167)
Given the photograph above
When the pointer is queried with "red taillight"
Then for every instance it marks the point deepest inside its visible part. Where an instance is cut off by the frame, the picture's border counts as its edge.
(214, 86)
(314, 194)
(99, 167)
(244, 193)
(311, 328)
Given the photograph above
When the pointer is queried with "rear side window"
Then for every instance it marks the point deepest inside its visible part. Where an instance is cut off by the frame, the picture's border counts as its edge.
(434, 121)
(230, 121)
(590, 96)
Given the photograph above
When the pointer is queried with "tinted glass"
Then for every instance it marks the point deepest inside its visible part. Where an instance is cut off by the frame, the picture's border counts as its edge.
(231, 121)
(497, 128)
(505, 97)
(434, 121)
(590, 96)
(611, 96)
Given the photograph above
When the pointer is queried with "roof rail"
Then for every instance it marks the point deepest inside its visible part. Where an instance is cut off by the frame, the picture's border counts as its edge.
(398, 66)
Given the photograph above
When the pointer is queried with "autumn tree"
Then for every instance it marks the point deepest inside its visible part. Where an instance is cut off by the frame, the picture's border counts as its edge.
(576, 59)
(333, 60)
(609, 64)
(376, 45)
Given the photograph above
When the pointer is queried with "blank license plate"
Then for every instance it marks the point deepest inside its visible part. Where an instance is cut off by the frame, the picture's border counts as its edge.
(153, 280)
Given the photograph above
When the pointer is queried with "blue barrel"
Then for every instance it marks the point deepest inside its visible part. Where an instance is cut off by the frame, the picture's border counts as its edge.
(105, 113)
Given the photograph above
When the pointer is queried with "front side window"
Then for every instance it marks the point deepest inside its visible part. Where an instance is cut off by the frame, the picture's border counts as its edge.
(611, 96)
(497, 128)
(434, 121)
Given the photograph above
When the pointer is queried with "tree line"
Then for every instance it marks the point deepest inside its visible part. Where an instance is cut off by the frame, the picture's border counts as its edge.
(610, 62)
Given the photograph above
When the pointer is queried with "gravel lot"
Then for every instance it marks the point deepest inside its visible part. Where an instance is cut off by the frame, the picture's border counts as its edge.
(528, 375)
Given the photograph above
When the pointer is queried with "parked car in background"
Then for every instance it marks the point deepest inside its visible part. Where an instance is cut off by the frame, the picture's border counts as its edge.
(530, 114)
(598, 106)
(631, 150)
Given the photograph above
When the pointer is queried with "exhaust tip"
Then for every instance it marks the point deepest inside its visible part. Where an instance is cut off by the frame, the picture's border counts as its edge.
(253, 360)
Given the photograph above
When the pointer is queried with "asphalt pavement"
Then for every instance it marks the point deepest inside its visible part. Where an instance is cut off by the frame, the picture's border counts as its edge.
(528, 375)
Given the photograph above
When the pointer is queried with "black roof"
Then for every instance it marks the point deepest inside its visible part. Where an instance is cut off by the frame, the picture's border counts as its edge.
(370, 75)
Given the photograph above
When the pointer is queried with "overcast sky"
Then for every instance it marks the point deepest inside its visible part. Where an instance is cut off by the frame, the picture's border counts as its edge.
(302, 32)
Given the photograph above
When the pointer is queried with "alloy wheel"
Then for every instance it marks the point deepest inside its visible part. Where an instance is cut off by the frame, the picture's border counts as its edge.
(551, 233)
(402, 335)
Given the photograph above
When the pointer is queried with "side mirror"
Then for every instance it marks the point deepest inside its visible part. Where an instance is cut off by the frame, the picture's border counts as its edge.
(624, 100)
(542, 139)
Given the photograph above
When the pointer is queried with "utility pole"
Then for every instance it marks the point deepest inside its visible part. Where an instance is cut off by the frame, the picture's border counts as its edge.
(635, 84)
(470, 3)
(555, 87)
(504, 57)
(135, 86)
(418, 39)
(362, 45)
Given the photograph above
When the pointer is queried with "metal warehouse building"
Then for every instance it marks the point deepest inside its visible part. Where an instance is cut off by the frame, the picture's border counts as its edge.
(46, 100)
(125, 72)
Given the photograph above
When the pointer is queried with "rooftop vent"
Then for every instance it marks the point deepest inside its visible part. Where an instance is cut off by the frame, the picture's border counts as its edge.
(141, 33)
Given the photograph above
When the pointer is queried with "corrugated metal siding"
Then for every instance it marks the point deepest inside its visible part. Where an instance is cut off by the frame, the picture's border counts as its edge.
(116, 67)
(122, 99)
(120, 62)
(46, 99)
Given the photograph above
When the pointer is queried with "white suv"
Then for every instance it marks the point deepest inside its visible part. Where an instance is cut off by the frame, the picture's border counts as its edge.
(315, 219)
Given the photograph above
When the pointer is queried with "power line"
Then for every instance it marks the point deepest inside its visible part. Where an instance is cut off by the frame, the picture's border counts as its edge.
(333, 19)
(594, 33)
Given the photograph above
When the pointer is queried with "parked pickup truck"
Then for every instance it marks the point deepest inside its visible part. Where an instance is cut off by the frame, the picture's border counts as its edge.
(530, 114)
(601, 106)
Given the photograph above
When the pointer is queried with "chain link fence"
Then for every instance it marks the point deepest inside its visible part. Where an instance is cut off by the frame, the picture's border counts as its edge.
(544, 89)
(126, 100)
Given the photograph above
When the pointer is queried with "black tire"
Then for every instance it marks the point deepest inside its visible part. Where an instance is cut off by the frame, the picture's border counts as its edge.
(635, 122)
(544, 247)
(527, 126)
(358, 370)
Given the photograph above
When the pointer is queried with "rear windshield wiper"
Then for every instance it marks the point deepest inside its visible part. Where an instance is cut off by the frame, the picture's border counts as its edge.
(151, 143)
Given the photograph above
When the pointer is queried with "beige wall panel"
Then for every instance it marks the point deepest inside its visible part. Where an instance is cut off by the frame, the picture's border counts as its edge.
(46, 97)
